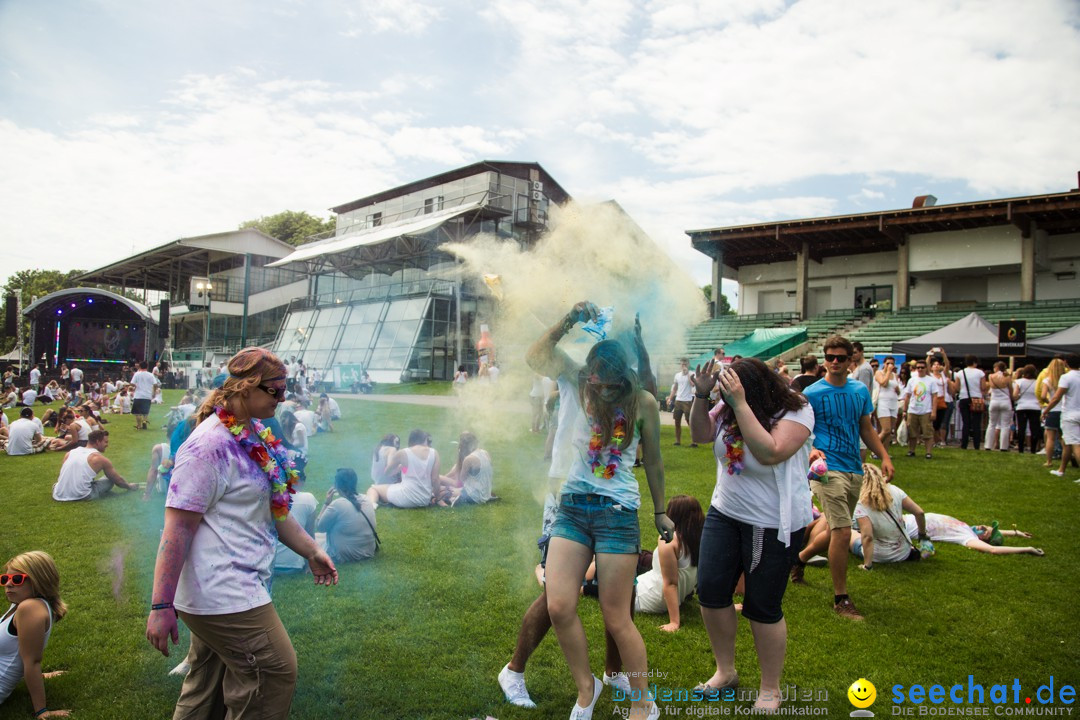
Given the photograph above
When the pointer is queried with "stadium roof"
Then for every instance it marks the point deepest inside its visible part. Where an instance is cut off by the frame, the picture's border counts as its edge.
(161, 268)
(1057, 213)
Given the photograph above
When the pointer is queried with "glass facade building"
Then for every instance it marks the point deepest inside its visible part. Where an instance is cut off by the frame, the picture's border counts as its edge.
(385, 298)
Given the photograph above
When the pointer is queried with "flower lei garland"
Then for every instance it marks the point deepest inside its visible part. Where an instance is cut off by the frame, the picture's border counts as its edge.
(269, 454)
(735, 449)
(596, 448)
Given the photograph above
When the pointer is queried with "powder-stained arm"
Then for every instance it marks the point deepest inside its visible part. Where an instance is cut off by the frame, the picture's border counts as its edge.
(180, 526)
(649, 414)
(544, 357)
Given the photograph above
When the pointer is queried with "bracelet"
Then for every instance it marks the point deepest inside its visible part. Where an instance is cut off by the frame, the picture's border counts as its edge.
(41, 712)
(661, 512)
(161, 606)
(702, 397)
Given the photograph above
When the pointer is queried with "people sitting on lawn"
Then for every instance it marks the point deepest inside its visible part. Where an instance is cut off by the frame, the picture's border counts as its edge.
(348, 520)
(380, 460)
(78, 475)
(25, 436)
(67, 432)
(295, 433)
(469, 481)
(419, 468)
(161, 460)
(31, 584)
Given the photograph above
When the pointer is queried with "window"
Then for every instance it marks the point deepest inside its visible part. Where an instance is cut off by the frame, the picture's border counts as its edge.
(374, 219)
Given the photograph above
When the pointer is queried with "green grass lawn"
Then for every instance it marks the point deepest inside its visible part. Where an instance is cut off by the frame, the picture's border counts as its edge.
(422, 630)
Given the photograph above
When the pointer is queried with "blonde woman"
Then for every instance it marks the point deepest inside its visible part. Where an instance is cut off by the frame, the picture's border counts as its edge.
(1001, 409)
(1052, 423)
(31, 584)
(888, 405)
(229, 497)
(879, 516)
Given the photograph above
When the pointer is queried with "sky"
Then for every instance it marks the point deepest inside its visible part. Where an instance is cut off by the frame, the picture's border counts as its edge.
(125, 124)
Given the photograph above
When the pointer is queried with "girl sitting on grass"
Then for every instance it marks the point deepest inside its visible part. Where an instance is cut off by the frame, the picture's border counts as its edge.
(31, 584)
(470, 479)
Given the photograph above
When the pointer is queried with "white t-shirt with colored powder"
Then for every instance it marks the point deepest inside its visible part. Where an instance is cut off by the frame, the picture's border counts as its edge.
(232, 552)
(890, 545)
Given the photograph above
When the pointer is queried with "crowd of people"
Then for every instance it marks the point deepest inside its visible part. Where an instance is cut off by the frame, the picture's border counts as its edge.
(232, 473)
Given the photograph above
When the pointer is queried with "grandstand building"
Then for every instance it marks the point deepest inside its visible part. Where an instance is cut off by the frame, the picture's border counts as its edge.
(887, 276)
(1017, 249)
(385, 297)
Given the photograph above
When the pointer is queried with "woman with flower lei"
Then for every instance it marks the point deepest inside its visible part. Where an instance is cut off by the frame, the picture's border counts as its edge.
(754, 527)
(227, 505)
(598, 508)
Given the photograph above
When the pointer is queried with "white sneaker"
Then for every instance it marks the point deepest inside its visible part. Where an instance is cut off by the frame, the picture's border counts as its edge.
(1057, 473)
(618, 681)
(818, 561)
(585, 713)
(513, 687)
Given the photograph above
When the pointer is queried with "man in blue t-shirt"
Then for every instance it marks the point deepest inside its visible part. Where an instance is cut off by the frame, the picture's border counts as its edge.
(842, 409)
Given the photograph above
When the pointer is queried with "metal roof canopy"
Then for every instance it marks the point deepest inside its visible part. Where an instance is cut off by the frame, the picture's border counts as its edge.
(372, 236)
(162, 267)
(1057, 214)
(61, 297)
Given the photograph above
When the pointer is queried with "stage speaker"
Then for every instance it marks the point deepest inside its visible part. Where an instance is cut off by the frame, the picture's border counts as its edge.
(11, 319)
(163, 320)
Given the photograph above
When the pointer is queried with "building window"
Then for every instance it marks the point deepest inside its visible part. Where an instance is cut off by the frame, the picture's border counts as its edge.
(374, 220)
(429, 205)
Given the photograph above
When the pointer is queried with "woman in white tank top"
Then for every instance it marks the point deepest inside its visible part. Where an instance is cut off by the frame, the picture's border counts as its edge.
(1001, 410)
(673, 576)
(419, 468)
(31, 584)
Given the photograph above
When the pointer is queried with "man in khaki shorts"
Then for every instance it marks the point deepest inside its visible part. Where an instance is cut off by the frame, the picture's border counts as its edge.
(842, 409)
(919, 408)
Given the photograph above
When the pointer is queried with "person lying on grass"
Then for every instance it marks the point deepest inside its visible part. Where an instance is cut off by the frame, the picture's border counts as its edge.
(879, 538)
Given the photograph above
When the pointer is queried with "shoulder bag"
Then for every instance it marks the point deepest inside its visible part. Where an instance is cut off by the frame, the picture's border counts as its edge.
(978, 404)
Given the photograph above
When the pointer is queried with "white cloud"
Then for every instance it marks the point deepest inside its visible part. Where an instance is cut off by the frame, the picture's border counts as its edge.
(220, 150)
(410, 17)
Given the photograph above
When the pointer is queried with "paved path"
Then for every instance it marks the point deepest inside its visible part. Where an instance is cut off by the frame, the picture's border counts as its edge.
(451, 401)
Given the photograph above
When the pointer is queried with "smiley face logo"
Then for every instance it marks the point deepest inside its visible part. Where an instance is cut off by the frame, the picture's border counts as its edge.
(862, 693)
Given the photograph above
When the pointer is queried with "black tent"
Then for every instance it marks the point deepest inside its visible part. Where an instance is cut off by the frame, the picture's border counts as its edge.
(971, 335)
(1060, 343)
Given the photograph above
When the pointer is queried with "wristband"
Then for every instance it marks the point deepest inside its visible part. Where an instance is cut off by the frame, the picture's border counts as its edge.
(162, 606)
(702, 397)
(662, 512)
(41, 712)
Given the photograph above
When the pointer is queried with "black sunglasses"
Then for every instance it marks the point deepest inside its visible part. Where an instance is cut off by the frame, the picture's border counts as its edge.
(272, 391)
(15, 579)
(835, 358)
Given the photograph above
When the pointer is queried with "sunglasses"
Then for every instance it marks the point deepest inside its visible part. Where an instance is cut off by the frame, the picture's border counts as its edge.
(271, 390)
(920, 367)
(15, 579)
(835, 358)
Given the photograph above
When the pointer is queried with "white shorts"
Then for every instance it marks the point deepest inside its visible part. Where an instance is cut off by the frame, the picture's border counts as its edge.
(1070, 428)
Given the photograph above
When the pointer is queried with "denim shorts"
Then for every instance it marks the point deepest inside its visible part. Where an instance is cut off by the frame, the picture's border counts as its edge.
(730, 548)
(598, 523)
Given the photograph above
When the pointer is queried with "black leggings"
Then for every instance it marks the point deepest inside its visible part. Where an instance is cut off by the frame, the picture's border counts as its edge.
(1024, 420)
(972, 424)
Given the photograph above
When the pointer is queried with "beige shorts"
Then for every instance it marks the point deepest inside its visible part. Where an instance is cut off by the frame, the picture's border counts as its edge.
(838, 497)
(682, 407)
(920, 427)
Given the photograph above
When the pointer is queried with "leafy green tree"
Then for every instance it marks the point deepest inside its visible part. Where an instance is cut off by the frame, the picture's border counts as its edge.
(725, 306)
(290, 226)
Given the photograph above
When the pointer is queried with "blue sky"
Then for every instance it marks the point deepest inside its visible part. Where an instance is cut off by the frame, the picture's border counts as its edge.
(126, 124)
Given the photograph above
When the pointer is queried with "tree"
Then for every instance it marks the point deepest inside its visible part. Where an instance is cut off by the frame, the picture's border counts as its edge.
(34, 284)
(291, 226)
(725, 306)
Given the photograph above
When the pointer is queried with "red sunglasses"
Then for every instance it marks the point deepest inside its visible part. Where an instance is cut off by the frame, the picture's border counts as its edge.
(15, 579)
